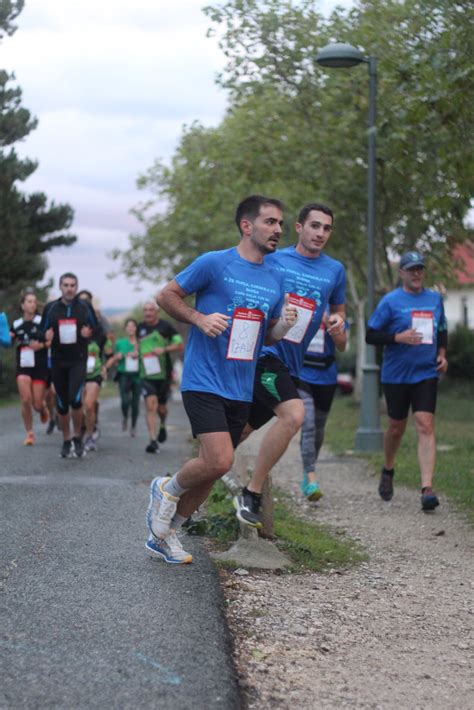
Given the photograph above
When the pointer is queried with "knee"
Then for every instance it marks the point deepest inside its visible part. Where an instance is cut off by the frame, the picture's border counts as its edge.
(396, 427)
(424, 426)
(220, 465)
(293, 419)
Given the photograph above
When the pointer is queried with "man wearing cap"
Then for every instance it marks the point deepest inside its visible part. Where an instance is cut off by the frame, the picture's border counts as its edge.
(411, 324)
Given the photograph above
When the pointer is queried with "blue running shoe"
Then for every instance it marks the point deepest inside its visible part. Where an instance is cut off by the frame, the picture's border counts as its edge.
(161, 509)
(170, 550)
(429, 500)
(310, 489)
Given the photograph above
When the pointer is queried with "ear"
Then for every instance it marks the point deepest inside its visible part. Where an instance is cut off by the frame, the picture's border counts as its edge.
(245, 226)
(298, 227)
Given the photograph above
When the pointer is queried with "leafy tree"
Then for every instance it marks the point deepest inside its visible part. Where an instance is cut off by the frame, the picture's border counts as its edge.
(29, 226)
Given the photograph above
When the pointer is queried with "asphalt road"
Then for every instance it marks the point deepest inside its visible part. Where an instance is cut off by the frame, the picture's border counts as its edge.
(88, 619)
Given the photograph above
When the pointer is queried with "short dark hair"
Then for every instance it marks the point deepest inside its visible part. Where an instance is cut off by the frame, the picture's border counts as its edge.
(249, 208)
(84, 293)
(304, 211)
(68, 275)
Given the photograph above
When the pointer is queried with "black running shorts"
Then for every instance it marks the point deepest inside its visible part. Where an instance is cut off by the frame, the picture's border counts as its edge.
(273, 384)
(421, 397)
(322, 394)
(209, 413)
(155, 388)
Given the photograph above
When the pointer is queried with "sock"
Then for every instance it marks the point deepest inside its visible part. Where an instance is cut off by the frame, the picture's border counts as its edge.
(177, 521)
(426, 488)
(388, 472)
(173, 487)
(258, 496)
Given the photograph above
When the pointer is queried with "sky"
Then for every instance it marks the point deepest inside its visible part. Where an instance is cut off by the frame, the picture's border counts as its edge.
(112, 83)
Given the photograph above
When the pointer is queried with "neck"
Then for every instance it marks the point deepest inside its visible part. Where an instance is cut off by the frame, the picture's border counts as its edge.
(308, 254)
(28, 316)
(67, 301)
(413, 290)
(250, 252)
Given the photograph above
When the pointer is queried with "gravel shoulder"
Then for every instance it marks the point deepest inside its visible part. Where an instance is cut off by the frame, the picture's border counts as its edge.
(394, 632)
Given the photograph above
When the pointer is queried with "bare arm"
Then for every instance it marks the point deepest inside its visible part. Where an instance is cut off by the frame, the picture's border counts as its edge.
(171, 299)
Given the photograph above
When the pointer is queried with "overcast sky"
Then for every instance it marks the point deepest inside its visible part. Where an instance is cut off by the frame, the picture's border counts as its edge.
(112, 82)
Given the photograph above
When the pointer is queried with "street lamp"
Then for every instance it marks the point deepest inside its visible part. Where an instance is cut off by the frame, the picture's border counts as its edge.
(369, 436)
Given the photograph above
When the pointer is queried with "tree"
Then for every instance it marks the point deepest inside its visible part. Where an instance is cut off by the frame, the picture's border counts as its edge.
(29, 227)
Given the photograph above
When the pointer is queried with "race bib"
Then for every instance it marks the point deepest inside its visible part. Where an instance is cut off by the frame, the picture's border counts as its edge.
(151, 364)
(90, 364)
(422, 321)
(305, 308)
(244, 333)
(317, 343)
(27, 357)
(68, 331)
(131, 364)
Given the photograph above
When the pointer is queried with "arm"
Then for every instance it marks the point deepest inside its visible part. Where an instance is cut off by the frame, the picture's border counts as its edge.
(441, 360)
(171, 299)
(278, 328)
(336, 321)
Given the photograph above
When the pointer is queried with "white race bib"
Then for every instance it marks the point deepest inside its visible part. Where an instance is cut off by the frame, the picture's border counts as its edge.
(305, 308)
(90, 364)
(151, 364)
(27, 357)
(131, 364)
(317, 343)
(244, 333)
(422, 321)
(68, 331)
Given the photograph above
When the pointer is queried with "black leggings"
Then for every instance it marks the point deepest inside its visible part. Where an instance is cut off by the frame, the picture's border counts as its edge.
(129, 386)
(69, 379)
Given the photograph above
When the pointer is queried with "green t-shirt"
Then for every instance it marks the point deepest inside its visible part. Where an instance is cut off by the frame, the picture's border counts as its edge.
(125, 347)
(94, 361)
(152, 367)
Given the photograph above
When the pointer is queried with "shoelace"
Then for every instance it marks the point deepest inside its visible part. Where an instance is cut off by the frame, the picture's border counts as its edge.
(175, 545)
(167, 509)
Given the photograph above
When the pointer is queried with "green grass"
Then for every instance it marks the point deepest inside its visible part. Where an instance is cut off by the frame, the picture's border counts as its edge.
(454, 474)
(310, 546)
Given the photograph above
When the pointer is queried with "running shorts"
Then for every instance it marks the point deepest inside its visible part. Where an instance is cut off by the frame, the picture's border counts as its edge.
(322, 394)
(421, 397)
(209, 413)
(273, 385)
(68, 379)
(155, 388)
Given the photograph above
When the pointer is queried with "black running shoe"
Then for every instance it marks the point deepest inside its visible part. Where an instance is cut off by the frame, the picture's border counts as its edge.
(67, 451)
(247, 506)
(79, 450)
(152, 447)
(386, 485)
(163, 435)
(51, 425)
(429, 500)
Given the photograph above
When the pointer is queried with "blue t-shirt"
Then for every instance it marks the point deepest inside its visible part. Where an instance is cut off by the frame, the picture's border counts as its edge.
(312, 285)
(252, 294)
(320, 349)
(399, 311)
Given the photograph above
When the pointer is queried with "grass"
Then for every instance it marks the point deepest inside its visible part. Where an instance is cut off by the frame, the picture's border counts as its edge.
(310, 546)
(454, 474)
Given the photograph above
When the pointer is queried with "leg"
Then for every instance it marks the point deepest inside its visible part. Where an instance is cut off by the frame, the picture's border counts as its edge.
(39, 404)
(124, 389)
(91, 393)
(424, 425)
(151, 412)
(135, 392)
(392, 440)
(308, 434)
(26, 397)
(290, 416)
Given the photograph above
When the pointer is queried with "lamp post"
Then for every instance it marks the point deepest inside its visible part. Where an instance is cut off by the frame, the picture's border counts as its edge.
(369, 436)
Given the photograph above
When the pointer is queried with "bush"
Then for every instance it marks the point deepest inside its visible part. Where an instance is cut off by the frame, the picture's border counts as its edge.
(461, 353)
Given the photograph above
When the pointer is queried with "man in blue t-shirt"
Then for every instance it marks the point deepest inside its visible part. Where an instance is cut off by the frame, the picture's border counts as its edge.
(411, 324)
(240, 304)
(314, 282)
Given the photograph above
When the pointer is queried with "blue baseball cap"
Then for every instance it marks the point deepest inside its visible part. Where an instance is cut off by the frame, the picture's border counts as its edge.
(411, 259)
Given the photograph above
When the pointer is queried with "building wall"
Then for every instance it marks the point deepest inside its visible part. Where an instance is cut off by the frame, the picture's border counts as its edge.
(459, 307)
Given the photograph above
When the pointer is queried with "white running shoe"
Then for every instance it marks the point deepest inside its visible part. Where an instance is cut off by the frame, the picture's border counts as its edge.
(161, 509)
(170, 550)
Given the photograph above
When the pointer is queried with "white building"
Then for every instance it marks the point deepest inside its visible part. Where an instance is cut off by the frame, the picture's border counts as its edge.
(459, 301)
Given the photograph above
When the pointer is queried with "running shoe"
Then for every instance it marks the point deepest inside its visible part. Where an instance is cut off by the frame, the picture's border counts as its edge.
(51, 425)
(429, 500)
(163, 435)
(170, 550)
(386, 485)
(44, 415)
(30, 439)
(161, 508)
(90, 444)
(67, 451)
(96, 433)
(310, 489)
(247, 506)
(152, 447)
(78, 447)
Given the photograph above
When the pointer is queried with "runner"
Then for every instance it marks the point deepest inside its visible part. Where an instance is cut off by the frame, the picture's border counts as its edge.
(318, 382)
(128, 377)
(31, 364)
(313, 281)
(69, 323)
(158, 339)
(239, 299)
(411, 324)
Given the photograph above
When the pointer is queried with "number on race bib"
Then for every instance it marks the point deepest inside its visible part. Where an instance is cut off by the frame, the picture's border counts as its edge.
(305, 308)
(244, 333)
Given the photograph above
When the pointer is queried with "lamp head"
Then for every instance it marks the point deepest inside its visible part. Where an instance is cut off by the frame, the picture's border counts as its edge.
(339, 54)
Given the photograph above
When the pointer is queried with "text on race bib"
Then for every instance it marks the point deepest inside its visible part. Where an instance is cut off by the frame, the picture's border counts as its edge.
(244, 333)
(422, 321)
(305, 308)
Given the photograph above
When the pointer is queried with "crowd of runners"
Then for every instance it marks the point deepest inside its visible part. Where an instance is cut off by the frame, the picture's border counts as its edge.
(261, 346)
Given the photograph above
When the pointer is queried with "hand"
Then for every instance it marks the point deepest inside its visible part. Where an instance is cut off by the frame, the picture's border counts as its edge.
(289, 313)
(409, 337)
(86, 331)
(213, 324)
(49, 335)
(36, 345)
(441, 364)
(335, 324)
(158, 351)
